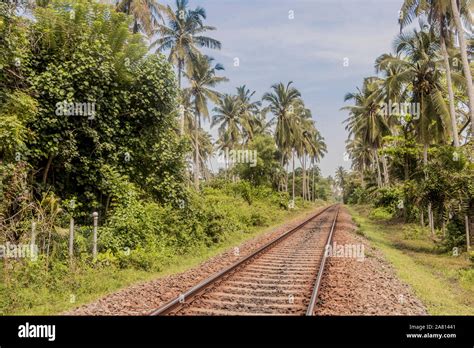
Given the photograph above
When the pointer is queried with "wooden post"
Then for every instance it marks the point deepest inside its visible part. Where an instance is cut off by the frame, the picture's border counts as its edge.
(71, 237)
(33, 234)
(95, 215)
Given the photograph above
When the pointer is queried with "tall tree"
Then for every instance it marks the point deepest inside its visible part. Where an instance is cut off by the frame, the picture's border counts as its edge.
(249, 110)
(440, 15)
(282, 103)
(202, 79)
(228, 117)
(146, 14)
(183, 36)
(366, 121)
(465, 61)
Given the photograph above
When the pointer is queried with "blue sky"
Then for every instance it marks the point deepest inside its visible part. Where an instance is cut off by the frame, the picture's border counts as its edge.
(308, 49)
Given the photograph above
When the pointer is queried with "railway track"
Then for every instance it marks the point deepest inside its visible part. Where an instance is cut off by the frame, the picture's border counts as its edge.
(280, 278)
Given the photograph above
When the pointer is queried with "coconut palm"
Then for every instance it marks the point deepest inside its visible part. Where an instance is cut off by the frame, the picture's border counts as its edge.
(228, 117)
(202, 79)
(316, 152)
(223, 143)
(249, 110)
(261, 124)
(440, 15)
(282, 103)
(183, 36)
(146, 14)
(419, 68)
(366, 121)
(463, 47)
(340, 176)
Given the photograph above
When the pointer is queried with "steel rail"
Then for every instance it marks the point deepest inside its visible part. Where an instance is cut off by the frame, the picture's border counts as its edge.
(197, 289)
(317, 284)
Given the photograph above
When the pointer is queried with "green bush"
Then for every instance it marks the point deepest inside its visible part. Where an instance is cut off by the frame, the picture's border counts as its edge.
(455, 234)
(389, 198)
(380, 213)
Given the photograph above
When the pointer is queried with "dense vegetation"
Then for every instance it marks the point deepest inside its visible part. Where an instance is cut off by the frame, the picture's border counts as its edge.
(411, 126)
(94, 120)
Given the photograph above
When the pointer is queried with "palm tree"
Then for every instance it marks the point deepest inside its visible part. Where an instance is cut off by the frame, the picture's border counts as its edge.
(302, 140)
(317, 150)
(183, 36)
(366, 121)
(419, 68)
(187, 111)
(227, 116)
(360, 153)
(463, 47)
(202, 78)
(249, 110)
(224, 142)
(205, 148)
(261, 125)
(340, 176)
(282, 103)
(146, 14)
(439, 14)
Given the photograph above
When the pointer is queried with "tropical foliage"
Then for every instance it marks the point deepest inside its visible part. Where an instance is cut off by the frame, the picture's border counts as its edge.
(92, 119)
(409, 139)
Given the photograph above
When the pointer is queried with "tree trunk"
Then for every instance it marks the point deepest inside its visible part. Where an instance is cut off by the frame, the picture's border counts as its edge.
(465, 61)
(443, 227)
(430, 211)
(180, 72)
(468, 241)
(304, 178)
(196, 154)
(46, 170)
(452, 110)
(385, 170)
(225, 166)
(281, 178)
(313, 198)
(379, 175)
(293, 188)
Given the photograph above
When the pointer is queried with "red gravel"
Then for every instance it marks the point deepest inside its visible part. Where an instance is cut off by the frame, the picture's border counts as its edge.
(368, 287)
(144, 297)
(278, 281)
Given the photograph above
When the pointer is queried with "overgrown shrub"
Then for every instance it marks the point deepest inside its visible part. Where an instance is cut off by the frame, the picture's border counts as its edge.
(381, 213)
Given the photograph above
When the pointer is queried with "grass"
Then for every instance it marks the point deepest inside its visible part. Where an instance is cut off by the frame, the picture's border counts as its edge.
(443, 282)
(87, 286)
